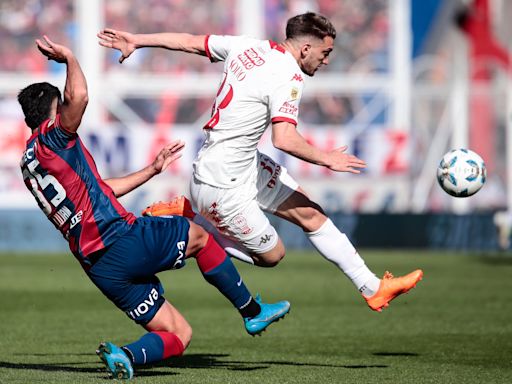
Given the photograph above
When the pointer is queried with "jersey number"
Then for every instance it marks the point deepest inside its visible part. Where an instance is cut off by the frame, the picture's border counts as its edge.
(227, 96)
(36, 179)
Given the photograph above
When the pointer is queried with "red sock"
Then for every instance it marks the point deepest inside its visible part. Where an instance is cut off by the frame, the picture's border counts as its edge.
(211, 256)
(172, 344)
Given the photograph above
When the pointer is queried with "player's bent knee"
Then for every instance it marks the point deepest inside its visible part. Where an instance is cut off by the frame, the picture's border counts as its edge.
(197, 239)
(169, 319)
(184, 333)
(271, 258)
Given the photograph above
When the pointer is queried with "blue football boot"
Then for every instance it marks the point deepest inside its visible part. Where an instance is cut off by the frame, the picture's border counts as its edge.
(115, 359)
(269, 314)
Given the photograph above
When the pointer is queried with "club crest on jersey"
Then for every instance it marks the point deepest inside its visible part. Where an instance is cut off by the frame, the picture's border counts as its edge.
(240, 222)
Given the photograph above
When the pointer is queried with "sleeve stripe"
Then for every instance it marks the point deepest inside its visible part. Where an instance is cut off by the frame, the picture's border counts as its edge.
(207, 48)
(278, 119)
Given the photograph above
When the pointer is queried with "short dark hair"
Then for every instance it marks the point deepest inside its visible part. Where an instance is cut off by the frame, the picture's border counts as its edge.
(36, 101)
(309, 24)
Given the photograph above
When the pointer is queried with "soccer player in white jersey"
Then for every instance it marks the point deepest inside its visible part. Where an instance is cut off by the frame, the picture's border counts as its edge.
(233, 183)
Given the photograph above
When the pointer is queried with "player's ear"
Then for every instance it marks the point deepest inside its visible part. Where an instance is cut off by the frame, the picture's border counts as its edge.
(305, 49)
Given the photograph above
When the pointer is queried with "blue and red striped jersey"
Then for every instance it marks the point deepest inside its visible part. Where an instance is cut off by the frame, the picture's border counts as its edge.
(62, 175)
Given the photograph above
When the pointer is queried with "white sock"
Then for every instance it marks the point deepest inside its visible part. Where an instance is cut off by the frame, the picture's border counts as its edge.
(337, 248)
(231, 247)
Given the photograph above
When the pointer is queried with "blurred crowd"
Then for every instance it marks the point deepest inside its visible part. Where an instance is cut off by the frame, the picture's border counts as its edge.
(22, 21)
(361, 44)
(149, 16)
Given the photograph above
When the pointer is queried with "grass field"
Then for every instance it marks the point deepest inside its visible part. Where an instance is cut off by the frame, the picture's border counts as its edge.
(455, 327)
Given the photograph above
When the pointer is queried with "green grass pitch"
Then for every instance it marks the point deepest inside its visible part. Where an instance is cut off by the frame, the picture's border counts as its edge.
(455, 327)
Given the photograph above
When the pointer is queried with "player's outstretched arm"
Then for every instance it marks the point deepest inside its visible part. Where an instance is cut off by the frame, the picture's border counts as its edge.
(75, 90)
(123, 185)
(286, 138)
(127, 43)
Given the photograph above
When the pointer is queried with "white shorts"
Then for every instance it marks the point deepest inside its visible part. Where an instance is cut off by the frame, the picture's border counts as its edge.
(238, 212)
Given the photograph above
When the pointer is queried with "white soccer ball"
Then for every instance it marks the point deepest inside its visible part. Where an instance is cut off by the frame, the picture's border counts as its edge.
(461, 172)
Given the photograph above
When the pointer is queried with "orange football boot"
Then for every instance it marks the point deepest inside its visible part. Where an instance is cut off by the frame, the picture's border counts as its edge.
(390, 287)
(179, 206)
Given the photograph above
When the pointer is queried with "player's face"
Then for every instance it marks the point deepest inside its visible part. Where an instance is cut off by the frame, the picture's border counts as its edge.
(315, 54)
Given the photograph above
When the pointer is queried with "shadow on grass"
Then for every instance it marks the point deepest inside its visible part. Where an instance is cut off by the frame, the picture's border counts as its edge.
(47, 367)
(190, 361)
(496, 258)
(52, 354)
(213, 361)
(68, 367)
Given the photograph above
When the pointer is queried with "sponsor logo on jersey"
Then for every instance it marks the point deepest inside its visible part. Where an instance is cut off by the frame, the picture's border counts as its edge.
(145, 306)
(247, 60)
(272, 182)
(213, 213)
(76, 219)
(28, 155)
(179, 260)
(289, 109)
(265, 239)
(61, 216)
(250, 59)
(297, 77)
(267, 164)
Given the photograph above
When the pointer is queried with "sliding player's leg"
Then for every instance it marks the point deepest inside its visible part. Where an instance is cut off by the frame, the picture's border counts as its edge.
(129, 281)
(218, 269)
(168, 335)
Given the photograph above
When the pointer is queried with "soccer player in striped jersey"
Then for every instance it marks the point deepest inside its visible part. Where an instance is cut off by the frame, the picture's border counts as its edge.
(120, 253)
(233, 183)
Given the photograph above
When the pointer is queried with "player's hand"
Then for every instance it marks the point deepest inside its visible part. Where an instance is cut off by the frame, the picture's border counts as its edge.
(344, 162)
(53, 51)
(170, 153)
(122, 41)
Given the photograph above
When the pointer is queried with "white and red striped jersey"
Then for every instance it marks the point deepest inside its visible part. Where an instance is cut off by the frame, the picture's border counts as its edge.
(261, 83)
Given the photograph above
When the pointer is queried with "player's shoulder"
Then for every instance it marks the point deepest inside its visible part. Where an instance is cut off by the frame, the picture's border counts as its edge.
(53, 135)
(285, 67)
(233, 40)
(54, 123)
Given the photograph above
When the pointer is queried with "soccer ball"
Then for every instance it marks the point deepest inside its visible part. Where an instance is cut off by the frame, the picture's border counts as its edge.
(461, 172)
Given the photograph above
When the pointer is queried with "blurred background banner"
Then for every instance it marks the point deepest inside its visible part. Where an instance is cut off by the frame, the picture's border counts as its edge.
(408, 80)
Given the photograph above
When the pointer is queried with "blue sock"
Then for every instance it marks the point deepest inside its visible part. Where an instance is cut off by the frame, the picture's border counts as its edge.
(219, 271)
(226, 279)
(148, 349)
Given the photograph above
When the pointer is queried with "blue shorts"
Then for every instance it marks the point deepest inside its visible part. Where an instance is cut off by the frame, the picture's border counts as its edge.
(126, 271)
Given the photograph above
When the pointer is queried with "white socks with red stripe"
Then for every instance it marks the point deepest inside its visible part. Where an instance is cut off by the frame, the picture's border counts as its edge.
(337, 248)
